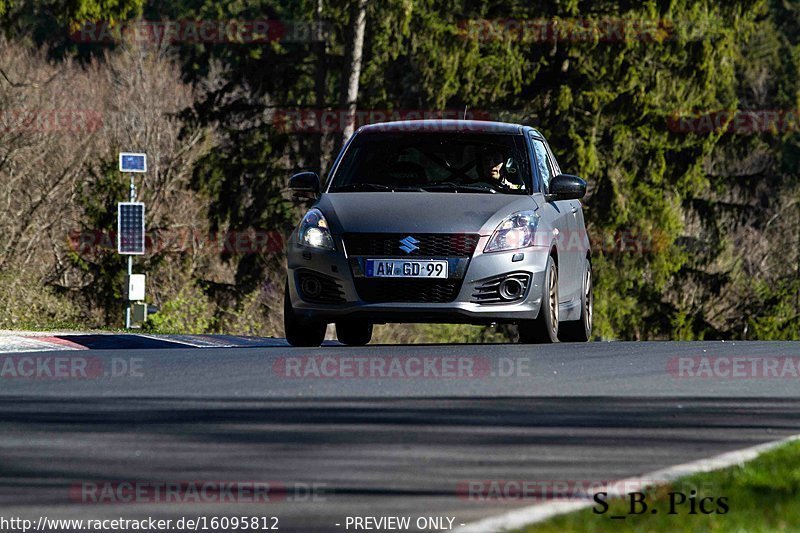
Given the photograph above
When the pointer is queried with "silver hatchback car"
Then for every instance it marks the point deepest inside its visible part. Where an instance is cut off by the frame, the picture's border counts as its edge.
(440, 221)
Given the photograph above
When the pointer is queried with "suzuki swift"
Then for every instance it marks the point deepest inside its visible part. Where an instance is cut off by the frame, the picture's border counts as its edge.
(440, 221)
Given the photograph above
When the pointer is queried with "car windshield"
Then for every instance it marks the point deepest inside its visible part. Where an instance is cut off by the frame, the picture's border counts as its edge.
(435, 162)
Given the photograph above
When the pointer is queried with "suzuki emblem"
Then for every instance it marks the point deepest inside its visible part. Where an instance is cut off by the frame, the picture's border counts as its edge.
(409, 244)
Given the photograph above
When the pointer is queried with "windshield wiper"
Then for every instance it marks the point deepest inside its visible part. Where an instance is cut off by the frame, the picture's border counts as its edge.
(409, 188)
(375, 187)
(450, 186)
(361, 187)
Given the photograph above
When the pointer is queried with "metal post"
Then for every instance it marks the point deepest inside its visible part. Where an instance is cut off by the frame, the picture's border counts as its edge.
(128, 308)
(130, 263)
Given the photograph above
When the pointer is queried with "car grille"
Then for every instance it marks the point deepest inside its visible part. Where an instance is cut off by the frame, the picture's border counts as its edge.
(407, 290)
(430, 244)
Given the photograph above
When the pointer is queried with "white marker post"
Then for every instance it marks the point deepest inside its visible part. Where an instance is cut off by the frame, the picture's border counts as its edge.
(130, 223)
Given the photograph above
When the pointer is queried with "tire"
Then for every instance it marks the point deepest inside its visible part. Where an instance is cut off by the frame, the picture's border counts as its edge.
(544, 328)
(354, 332)
(301, 331)
(581, 330)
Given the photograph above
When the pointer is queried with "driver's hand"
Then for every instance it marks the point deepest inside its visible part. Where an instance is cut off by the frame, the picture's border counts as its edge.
(510, 185)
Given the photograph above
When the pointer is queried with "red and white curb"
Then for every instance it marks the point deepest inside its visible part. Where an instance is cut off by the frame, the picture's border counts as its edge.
(533, 514)
(23, 341)
(22, 344)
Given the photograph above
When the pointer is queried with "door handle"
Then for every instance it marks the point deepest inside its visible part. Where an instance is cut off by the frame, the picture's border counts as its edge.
(574, 209)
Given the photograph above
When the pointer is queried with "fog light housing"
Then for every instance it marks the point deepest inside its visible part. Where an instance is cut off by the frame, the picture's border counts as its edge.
(310, 286)
(511, 289)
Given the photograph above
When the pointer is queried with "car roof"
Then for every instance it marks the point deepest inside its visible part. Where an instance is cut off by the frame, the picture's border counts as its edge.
(446, 125)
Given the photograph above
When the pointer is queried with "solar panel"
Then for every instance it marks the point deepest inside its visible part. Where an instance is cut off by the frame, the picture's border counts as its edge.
(130, 229)
(130, 162)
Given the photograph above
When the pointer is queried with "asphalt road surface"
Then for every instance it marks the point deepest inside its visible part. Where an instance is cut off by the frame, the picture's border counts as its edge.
(314, 436)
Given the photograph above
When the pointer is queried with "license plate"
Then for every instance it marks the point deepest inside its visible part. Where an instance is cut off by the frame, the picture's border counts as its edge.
(398, 268)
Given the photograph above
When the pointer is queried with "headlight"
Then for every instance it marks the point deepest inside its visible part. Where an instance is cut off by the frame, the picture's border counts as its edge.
(314, 231)
(517, 231)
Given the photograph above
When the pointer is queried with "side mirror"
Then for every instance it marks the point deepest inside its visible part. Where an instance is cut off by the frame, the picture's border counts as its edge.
(566, 187)
(305, 182)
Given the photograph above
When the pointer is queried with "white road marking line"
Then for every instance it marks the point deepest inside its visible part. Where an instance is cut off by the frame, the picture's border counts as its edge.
(174, 340)
(533, 514)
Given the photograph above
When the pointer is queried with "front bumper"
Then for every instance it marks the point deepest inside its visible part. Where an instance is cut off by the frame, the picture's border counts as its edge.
(474, 272)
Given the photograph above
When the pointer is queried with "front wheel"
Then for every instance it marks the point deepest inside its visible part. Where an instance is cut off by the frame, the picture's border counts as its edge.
(581, 330)
(544, 328)
(301, 331)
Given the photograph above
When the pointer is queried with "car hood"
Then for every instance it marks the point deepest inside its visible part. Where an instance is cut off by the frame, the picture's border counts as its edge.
(420, 212)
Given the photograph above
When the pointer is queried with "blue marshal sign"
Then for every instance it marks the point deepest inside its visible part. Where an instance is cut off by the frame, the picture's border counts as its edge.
(132, 162)
(130, 229)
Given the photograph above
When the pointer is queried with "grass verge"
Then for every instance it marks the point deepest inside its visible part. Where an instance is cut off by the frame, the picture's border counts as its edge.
(761, 495)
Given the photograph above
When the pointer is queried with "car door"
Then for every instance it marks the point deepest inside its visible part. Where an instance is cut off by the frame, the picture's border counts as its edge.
(557, 214)
(573, 244)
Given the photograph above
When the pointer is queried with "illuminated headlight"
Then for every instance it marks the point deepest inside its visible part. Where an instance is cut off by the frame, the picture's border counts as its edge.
(517, 231)
(314, 231)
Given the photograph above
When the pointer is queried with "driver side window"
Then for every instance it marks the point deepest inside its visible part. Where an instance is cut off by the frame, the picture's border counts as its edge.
(541, 162)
